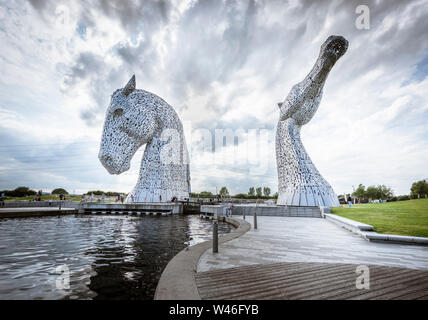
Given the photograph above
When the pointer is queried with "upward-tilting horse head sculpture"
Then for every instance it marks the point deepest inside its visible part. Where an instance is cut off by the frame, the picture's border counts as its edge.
(299, 182)
(135, 118)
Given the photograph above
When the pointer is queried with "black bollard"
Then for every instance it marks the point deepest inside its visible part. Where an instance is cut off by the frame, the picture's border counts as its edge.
(255, 218)
(215, 237)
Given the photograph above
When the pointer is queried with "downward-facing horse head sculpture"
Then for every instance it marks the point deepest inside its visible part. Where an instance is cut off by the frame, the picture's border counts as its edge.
(299, 182)
(137, 117)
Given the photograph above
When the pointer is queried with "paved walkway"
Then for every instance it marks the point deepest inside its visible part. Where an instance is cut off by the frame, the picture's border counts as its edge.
(288, 239)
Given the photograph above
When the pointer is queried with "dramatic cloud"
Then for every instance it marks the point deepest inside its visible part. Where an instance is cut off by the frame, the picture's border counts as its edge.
(222, 65)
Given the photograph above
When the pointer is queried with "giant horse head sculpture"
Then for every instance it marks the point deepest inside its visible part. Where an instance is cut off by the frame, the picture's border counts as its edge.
(299, 181)
(135, 118)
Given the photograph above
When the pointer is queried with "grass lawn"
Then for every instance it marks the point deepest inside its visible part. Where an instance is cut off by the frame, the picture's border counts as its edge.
(407, 218)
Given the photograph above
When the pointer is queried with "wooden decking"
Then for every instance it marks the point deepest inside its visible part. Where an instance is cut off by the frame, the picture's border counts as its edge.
(303, 281)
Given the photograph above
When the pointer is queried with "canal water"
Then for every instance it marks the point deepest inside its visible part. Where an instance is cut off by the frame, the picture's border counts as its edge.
(93, 257)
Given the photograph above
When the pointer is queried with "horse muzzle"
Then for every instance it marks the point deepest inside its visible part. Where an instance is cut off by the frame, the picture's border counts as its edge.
(112, 167)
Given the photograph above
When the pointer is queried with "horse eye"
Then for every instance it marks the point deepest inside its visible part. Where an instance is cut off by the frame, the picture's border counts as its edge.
(118, 112)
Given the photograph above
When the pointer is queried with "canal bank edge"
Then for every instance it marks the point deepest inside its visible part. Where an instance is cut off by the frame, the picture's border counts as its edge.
(8, 213)
(177, 281)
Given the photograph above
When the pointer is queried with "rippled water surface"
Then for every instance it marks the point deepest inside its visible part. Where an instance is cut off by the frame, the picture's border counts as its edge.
(108, 257)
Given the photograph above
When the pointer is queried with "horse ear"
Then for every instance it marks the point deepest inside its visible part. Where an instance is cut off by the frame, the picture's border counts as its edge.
(130, 86)
(280, 104)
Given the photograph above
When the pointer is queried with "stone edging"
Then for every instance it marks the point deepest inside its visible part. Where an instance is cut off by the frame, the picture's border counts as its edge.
(349, 224)
(177, 281)
(366, 231)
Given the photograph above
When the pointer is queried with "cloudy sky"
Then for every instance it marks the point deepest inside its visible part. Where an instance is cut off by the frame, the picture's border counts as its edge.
(222, 65)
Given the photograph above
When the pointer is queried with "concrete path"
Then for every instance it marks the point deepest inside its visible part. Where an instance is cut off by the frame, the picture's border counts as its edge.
(34, 212)
(289, 239)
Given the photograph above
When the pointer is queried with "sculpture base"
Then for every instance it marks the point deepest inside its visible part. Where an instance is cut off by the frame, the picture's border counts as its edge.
(264, 210)
(88, 207)
(308, 198)
(143, 195)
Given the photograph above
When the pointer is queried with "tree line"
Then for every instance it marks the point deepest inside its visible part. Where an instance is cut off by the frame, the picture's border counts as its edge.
(373, 192)
(419, 189)
(106, 193)
(19, 192)
(253, 193)
(26, 191)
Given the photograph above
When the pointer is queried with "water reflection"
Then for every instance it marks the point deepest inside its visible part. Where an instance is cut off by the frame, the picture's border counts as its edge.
(109, 257)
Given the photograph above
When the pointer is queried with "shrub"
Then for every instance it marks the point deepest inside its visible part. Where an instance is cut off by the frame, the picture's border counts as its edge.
(19, 192)
(402, 198)
(59, 191)
(95, 192)
(240, 196)
(419, 189)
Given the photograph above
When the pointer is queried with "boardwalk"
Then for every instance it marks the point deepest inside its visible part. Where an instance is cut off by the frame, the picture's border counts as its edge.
(288, 239)
(301, 280)
(308, 258)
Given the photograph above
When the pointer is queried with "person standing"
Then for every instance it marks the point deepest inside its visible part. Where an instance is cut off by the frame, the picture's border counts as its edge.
(349, 201)
(229, 209)
(2, 199)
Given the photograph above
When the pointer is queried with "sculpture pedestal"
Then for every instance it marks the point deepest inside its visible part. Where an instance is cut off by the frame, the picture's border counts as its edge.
(308, 197)
(267, 210)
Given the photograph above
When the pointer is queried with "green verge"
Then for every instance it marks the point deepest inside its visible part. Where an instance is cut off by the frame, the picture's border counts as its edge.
(407, 218)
